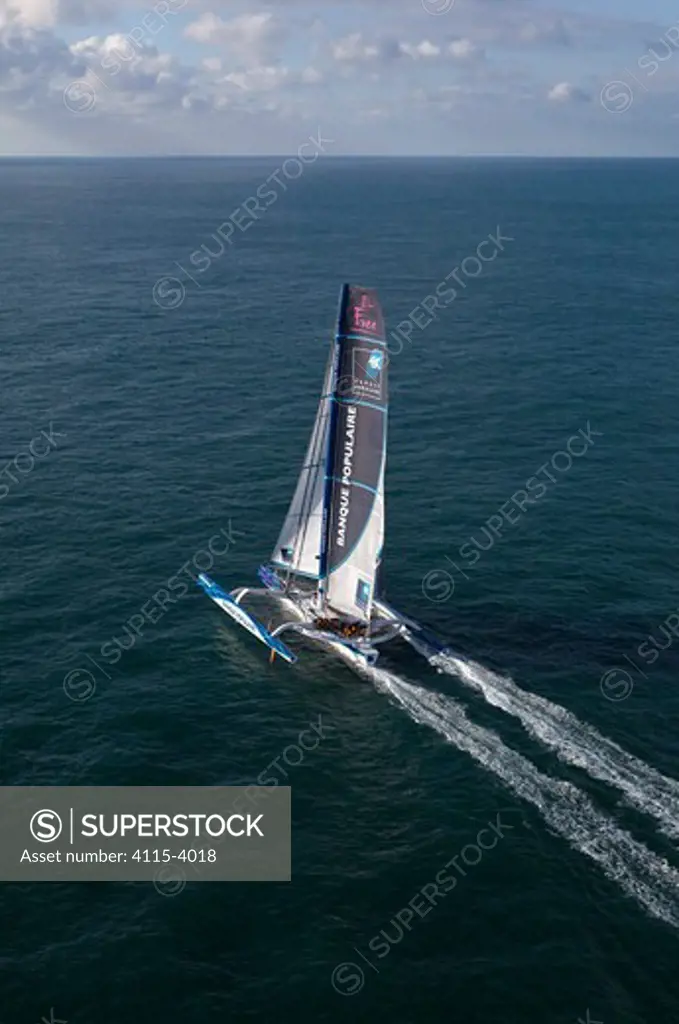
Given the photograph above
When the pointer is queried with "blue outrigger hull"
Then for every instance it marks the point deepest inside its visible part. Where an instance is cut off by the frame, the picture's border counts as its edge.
(229, 605)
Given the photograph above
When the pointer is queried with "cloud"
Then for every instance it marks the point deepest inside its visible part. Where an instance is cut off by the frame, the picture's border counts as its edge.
(35, 13)
(355, 49)
(50, 13)
(548, 32)
(566, 92)
(129, 77)
(422, 50)
(271, 78)
(352, 49)
(253, 38)
(34, 63)
(385, 78)
(465, 49)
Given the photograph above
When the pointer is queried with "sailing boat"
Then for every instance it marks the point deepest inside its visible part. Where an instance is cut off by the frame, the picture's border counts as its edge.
(325, 568)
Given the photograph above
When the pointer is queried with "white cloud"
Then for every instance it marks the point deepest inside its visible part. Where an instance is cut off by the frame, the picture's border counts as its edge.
(383, 76)
(465, 49)
(33, 63)
(127, 76)
(262, 79)
(421, 51)
(270, 78)
(566, 92)
(353, 49)
(37, 13)
(50, 13)
(551, 32)
(310, 76)
(253, 38)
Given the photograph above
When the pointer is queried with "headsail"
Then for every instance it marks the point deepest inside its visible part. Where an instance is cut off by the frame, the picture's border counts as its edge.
(299, 544)
(353, 531)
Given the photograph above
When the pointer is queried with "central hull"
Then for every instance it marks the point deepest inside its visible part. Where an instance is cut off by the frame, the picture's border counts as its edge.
(303, 609)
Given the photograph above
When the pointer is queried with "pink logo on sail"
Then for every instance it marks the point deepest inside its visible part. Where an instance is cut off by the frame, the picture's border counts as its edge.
(363, 321)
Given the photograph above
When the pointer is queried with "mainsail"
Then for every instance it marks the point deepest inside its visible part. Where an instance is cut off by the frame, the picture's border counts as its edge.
(334, 530)
(353, 529)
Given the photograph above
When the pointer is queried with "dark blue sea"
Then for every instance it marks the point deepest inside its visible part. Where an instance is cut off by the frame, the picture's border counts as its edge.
(151, 402)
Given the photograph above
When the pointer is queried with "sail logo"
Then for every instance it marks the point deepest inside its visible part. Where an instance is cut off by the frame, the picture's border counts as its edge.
(363, 594)
(347, 470)
(374, 367)
(368, 364)
(363, 317)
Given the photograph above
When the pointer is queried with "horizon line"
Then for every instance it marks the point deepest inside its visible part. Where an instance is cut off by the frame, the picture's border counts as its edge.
(335, 156)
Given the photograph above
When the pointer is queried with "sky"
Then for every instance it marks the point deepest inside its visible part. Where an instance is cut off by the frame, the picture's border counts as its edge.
(379, 77)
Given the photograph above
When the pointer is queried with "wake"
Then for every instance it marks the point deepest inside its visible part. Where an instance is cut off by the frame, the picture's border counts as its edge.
(573, 741)
(643, 875)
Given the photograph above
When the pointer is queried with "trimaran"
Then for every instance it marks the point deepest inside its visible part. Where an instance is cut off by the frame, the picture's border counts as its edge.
(325, 569)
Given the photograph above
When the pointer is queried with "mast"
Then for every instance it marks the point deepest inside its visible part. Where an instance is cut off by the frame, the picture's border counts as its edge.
(331, 443)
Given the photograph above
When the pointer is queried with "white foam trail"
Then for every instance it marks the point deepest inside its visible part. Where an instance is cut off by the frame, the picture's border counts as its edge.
(574, 741)
(643, 875)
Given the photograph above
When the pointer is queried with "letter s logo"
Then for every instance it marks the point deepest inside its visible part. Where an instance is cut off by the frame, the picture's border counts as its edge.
(46, 826)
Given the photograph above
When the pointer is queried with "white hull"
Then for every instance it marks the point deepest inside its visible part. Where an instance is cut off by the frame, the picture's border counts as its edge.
(355, 653)
(303, 611)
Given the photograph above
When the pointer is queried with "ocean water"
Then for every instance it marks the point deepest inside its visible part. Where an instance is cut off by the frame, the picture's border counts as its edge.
(172, 410)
